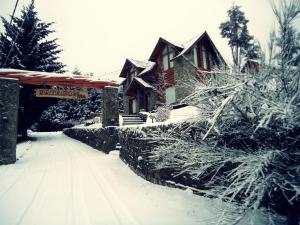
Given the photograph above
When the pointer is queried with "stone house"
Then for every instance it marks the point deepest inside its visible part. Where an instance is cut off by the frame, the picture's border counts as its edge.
(164, 78)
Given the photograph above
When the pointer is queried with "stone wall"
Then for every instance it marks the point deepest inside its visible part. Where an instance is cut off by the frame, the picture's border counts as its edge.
(125, 104)
(103, 139)
(110, 107)
(9, 105)
(136, 152)
(137, 149)
(185, 79)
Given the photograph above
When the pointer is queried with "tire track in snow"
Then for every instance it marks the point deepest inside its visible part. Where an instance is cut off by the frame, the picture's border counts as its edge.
(36, 192)
(77, 191)
(116, 205)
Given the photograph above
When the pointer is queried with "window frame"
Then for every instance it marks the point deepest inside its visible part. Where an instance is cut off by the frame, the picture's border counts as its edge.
(166, 54)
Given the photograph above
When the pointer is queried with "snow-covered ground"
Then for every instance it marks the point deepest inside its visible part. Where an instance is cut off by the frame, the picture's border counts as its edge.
(58, 180)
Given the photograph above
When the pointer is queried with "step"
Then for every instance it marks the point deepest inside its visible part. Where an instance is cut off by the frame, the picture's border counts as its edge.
(135, 119)
(132, 123)
(130, 116)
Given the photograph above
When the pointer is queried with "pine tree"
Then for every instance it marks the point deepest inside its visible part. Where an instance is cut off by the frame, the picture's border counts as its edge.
(26, 44)
(236, 30)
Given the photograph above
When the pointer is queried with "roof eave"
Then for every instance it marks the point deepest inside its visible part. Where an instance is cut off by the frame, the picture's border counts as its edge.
(151, 58)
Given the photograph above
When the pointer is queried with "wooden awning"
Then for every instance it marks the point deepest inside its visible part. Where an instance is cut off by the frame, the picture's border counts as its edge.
(53, 79)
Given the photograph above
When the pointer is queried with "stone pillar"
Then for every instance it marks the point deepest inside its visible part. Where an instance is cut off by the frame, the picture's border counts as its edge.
(9, 106)
(110, 107)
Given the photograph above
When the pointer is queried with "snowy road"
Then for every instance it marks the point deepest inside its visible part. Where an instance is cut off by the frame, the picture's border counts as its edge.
(60, 181)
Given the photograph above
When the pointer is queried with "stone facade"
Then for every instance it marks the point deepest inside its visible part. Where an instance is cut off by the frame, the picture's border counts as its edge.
(184, 73)
(110, 107)
(9, 106)
(126, 104)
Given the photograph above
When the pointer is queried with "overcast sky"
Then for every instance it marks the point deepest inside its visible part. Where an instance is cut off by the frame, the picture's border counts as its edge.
(98, 36)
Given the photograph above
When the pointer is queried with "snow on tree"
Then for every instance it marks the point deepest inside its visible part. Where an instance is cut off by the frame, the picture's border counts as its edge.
(67, 113)
(25, 44)
(245, 145)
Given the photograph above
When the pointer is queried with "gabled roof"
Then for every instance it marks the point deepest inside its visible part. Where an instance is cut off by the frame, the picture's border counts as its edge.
(136, 63)
(135, 82)
(188, 45)
(139, 64)
(160, 41)
(148, 69)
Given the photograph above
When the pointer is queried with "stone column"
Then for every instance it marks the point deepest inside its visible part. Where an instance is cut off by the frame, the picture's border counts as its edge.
(9, 106)
(110, 107)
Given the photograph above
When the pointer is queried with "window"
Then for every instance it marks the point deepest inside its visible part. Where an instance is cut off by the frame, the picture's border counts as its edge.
(192, 56)
(204, 59)
(211, 62)
(171, 57)
(195, 56)
(168, 54)
(165, 59)
(170, 95)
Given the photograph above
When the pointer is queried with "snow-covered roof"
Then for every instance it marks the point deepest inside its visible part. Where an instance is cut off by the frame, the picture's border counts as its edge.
(178, 45)
(135, 82)
(140, 64)
(148, 69)
(190, 43)
(164, 41)
(53, 79)
(143, 83)
(137, 63)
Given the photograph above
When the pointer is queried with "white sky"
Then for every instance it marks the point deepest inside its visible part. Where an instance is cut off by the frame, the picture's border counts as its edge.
(98, 35)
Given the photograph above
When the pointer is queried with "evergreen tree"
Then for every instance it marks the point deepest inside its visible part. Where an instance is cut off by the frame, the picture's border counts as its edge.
(25, 44)
(236, 30)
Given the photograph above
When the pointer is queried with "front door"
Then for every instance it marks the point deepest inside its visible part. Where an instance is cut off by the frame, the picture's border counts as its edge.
(146, 103)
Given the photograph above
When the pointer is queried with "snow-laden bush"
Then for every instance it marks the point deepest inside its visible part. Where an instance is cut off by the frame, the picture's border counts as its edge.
(66, 113)
(247, 145)
(162, 113)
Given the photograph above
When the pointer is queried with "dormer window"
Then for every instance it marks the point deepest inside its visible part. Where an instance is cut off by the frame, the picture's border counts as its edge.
(168, 54)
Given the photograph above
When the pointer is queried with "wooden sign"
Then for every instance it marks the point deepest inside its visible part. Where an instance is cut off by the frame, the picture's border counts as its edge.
(64, 94)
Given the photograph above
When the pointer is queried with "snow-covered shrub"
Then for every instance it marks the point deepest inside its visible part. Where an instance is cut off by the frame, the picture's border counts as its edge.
(66, 113)
(249, 151)
(162, 113)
